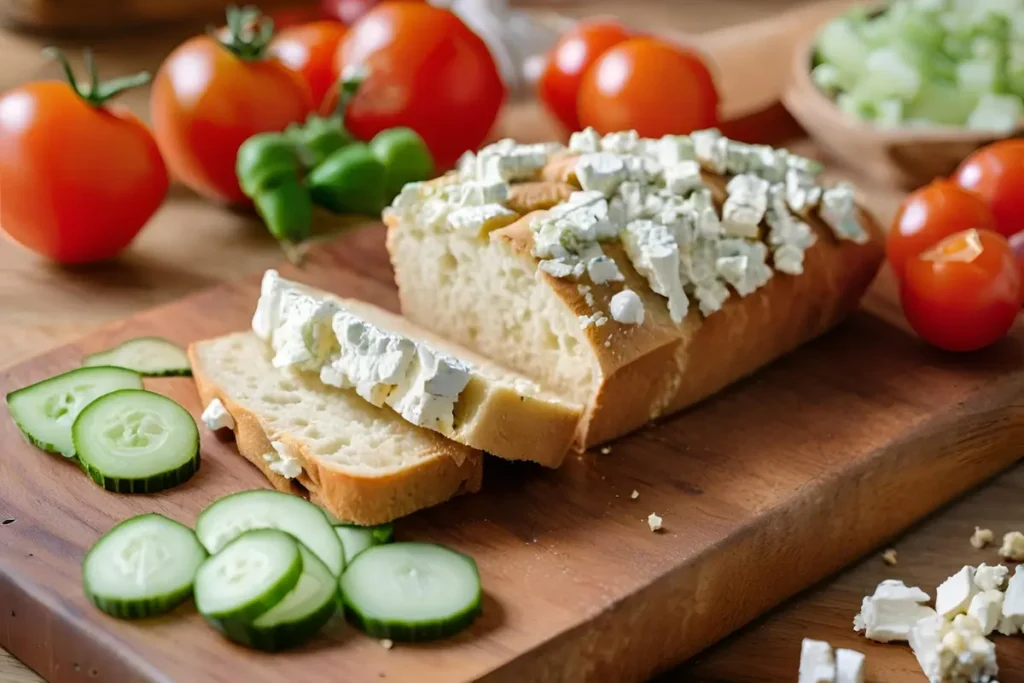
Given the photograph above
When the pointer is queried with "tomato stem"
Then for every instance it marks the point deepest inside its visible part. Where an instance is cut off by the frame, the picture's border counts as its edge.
(249, 32)
(351, 78)
(96, 92)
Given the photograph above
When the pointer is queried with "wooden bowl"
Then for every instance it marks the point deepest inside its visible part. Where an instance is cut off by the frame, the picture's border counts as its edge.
(904, 156)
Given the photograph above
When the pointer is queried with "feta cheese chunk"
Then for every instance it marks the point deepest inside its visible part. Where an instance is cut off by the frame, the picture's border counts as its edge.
(654, 521)
(839, 211)
(476, 193)
(710, 149)
(741, 263)
(627, 308)
(987, 608)
(601, 172)
(670, 150)
(1013, 601)
(982, 537)
(596, 319)
(267, 317)
(557, 267)
(849, 666)
(655, 255)
(705, 222)
(216, 416)
(602, 269)
(802, 191)
(303, 337)
(282, 462)
(745, 206)
(509, 161)
(369, 360)
(622, 142)
(571, 227)
(954, 652)
(890, 613)
(990, 578)
(954, 594)
(1013, 546)
(683, 177)
(480, 220)
(817, 663)
(586, 141)
(427, 394)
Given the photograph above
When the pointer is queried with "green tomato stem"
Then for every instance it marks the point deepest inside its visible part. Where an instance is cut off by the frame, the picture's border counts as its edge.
(96, 92)
(249, 32)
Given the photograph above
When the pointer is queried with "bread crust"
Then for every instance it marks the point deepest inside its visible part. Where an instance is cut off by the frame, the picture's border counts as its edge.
(350, 496)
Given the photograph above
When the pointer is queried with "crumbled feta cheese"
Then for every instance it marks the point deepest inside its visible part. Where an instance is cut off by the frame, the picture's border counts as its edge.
(954, 594)
(623, 142)
(742, 263)
(849, 666)
(369, 360)
(788, 259)
(988, 577)
(768, 162)
(601, 172)
(1007, 626)
(789, 235)
(602, 269)
(267, 317)
(709, 147)
(803, 164)
(670, 150)
(427, 394)
(216, 416)
(410, 195)
(282, 462)
(303, 337)
(635, 494)
(890, 613)
(802, 192)
(570, 227)
(634, 198)
(817, 664)
(838, 209)
(987, 608)
(1013, 546)
(683, 177)
(596, 319)
(711, 296)
(585, 292)
(480, 220)
(557, 267)
(586, 141)
(506, 160)
(475, 193)
(654, 521)
(889, 557)
(954, 652)
(627, 308)
(655, 255)
(745, 206)
(1013, 601)
(706, 223)
(982, 537)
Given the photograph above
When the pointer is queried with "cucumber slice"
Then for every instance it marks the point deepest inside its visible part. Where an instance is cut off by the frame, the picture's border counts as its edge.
(142, 567)
(298, 617)
(411, 591)
(135, 441)
(248, 577)
(228, 517)
(45, 411)
(356, 539)
(148, 356)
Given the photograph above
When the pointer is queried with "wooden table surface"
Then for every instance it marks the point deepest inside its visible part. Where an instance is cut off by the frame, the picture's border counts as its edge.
(192, 244)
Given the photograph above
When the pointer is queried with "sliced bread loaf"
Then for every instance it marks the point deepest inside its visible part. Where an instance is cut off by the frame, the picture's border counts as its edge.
(362, 463)
(426, 380)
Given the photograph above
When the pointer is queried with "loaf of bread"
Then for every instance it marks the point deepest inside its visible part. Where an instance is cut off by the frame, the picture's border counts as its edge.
(362, 463)
(635, 277)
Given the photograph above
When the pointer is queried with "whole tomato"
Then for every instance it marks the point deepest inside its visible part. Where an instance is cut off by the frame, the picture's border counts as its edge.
(576, 50)
(650, 85)
(211, 94)
(349, 11)
(931, 214)
(964, 293)
(996, 173)
(424, 70)
(78, 178)
(309, 51)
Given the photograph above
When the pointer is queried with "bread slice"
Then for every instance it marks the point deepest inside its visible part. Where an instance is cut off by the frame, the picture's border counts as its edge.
(362, 463)
(485, 290)
(494, 409)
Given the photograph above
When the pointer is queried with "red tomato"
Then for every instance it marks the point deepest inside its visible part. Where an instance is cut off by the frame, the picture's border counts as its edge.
(207, 100)
(78, 179)
(569, 59)
(996, 173)
(930, 214)
(649, 85)
(296, 16)
(309, 51)
(427, 71)
(964, 293)
(350, 11)
(1017, 244)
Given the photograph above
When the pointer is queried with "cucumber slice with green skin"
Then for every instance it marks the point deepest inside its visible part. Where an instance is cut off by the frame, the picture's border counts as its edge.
(297, 618)
(228, 517)
(356, 539)
(45, 411)
(411, 591)
(148, 356)
(135, 441)
(142, 567)
(249, 576)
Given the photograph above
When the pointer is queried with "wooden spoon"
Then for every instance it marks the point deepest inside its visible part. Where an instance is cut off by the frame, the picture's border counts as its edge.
(904, 156)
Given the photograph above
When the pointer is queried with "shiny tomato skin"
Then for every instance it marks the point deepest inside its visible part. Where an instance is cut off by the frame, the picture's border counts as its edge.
(650, 85)
(427, 71)
(959, 305)
(206, 102)
(996, 172)
(929, 215)
(77, 182)
(574, 53)
(309, 51)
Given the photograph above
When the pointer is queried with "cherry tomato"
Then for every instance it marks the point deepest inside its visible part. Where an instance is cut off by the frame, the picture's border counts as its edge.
(426, 71)
(569, 59)
(964, 293)
(309, 51)
(296, 16)
(649, 85)
(210, 96)
(930, 214)
(996, 173)
(350, 11)
(79, 179)
(1017, 244)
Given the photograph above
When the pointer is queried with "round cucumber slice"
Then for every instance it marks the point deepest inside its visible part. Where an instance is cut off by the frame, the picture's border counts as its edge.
(142, 567)
(411, 591)
(148, 356)
(228, 517)
(249, 576)
(297, 618)
(356, 539)
(45, 411)
(135, 441)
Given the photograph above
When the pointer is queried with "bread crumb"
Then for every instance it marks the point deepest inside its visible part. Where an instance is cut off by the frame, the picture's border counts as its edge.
(606, 450)
(654, 521)
(1013, 546)
(387, 643)
(889, 557)
(635, 494)
(982, 537)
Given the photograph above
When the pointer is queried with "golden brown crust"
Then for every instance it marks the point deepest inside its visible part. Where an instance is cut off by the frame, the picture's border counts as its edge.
(531, 196)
